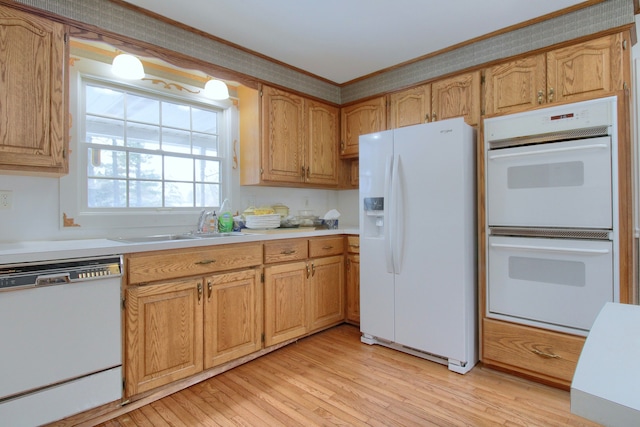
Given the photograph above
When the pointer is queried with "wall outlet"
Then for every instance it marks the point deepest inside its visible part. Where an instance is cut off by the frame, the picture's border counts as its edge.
(6, 199)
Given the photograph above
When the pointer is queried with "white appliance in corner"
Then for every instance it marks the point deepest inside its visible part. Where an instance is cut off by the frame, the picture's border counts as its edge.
(418, 281)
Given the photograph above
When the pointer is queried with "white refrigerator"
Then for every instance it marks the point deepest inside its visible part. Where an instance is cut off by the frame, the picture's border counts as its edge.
(418, 278)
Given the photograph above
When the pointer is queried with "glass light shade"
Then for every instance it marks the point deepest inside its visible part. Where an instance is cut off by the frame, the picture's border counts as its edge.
(216, 89)
(127, 67)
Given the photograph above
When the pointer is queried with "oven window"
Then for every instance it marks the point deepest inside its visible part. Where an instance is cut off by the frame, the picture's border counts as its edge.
(554, 271)
(565, 174)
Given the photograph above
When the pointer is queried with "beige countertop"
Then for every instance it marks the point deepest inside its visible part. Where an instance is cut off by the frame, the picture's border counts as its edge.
(48, 250)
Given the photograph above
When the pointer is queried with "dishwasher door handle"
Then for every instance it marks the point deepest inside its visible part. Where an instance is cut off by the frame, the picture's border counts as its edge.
(53, 279)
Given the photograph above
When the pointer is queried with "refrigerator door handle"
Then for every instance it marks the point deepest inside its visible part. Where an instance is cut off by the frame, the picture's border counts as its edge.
(388, 214)
(396, 206)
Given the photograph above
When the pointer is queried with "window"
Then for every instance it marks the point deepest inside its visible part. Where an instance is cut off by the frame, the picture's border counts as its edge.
(146, 151)
(146, 156)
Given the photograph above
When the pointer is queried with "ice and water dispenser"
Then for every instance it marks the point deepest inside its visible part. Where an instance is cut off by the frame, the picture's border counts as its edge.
(374, 216)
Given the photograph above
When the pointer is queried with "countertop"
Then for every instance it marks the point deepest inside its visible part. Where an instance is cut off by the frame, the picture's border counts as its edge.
(48, 250)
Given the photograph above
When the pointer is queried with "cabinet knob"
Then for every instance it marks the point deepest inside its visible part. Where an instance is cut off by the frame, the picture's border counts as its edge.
(199, 292)
(540, 93)
(433, 116)
(209, 289)
(551, 92)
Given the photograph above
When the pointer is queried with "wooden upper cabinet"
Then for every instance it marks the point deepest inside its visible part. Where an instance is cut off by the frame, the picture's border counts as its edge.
(287, 139)
(516, 85)
(457, 96)
(574, 73)
(321, 151)
(585, 70)
(410, 107)
(360, 119)
(33, 99)
(283, 135)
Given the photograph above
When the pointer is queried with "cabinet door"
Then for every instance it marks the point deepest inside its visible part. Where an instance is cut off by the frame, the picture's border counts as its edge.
(586, 70)
(282, 136)
(285, 302)
(516, 85)
(410, 107)
(360, 119)
(163, 334)
(326, 299)
(32, 94)
(323, 132)
(353, 288)
(232, 316)
(457, 96)
(354, 173)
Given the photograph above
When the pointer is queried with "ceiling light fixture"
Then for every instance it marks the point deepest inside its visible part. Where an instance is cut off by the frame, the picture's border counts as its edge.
(127, 67)
(216, 89)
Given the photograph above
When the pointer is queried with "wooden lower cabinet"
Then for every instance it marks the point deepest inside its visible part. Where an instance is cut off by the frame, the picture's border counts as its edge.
(327, 292)
(305, 295)
(285, 302)
(353, 280)
(178, 326)
(163, 334)
(232, 316)
(353, 288)
(547, 356)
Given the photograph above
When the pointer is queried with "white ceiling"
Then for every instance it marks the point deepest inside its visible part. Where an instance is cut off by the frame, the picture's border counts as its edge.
(341, 40)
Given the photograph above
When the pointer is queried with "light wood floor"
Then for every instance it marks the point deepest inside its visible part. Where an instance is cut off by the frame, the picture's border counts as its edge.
(333, 379)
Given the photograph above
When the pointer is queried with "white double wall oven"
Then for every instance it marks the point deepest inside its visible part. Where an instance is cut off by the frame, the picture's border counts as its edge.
(552, 215)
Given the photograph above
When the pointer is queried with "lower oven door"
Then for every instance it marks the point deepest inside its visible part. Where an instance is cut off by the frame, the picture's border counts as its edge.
(555, 283)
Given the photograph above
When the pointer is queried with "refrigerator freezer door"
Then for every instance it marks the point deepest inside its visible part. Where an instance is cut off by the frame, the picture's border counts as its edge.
(376, 278)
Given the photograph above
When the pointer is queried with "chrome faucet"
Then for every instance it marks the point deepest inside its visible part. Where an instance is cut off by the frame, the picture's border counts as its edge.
(201, 221)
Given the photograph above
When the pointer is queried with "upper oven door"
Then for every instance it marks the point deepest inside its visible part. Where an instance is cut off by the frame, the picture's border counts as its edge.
(559, 184)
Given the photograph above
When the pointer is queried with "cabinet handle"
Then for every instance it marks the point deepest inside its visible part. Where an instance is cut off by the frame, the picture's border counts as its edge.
(433, 116)
(308, 271)
(341, 145)
(313, 270)
(354, 246)
(199, 292)
(545, 355)
(287, 252)
(326, 248)
(551, 92)
(302, 167)
(209, 289)
(308, 173)
(540, 93)
(426, 118)
(205, 262)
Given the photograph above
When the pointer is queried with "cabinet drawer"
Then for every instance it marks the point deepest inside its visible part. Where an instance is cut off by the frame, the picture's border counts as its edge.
(551, 356)
(285, 250)
(325, 246)
(353, 244)
(175, 263)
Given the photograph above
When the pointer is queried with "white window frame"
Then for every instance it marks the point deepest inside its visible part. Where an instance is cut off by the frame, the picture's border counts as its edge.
(73, 210)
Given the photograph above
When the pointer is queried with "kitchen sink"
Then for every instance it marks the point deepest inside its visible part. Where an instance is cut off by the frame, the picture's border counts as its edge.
(173, 237)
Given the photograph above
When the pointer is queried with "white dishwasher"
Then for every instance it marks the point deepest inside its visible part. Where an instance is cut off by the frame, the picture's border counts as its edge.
(60, 329)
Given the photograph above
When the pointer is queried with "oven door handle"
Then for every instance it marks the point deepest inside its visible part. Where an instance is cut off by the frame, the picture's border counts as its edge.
(551, 249)
(547, 151)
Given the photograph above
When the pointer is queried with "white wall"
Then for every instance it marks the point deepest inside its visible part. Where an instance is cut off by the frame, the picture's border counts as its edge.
(35, 209)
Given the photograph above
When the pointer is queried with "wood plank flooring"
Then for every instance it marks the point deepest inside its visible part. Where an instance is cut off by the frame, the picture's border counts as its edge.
(332, 379)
